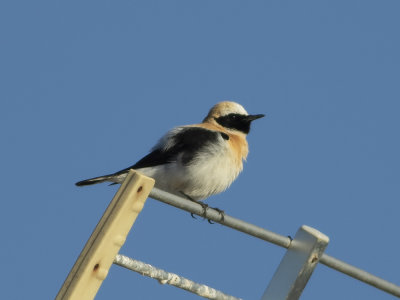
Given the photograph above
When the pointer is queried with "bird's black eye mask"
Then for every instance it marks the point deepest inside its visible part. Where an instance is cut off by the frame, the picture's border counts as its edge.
(235, 121)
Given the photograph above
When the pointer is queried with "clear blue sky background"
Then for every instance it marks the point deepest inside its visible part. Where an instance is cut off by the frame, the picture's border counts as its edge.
(87, 88)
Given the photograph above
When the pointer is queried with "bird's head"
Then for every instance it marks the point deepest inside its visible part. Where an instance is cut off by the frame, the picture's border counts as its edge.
(232, 116)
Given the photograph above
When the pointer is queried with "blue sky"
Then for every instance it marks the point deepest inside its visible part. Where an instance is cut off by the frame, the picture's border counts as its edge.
(87, 88)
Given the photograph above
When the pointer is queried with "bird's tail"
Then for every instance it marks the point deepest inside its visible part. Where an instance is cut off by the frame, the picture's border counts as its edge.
(94, 180)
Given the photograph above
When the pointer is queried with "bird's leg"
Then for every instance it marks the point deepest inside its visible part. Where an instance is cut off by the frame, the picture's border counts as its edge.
(203, 205)
(221, 213)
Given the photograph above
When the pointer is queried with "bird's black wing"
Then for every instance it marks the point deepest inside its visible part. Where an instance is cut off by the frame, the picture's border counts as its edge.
(185, 143)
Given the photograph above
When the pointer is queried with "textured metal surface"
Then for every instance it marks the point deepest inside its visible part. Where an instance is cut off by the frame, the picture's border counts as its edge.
(170, 278)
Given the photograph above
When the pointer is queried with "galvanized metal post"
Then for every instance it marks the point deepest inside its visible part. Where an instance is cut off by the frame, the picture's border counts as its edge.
(297, 265)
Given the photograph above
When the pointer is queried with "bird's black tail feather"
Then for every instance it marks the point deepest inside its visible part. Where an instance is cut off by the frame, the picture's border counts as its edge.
(94, 180)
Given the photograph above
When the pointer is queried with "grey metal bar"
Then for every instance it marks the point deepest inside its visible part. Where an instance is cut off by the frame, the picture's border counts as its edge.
(274, 238)
(360, 274)
(215, 216)
(170, 278)
(297, 265)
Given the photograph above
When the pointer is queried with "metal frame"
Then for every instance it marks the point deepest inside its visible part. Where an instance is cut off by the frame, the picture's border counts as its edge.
(276, 239)
(292, 275)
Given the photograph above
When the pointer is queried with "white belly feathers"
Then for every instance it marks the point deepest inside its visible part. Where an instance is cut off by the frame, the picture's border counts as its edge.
(211, 171)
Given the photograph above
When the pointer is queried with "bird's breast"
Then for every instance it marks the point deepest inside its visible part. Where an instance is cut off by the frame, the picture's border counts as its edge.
(206, 170)
(214, 168)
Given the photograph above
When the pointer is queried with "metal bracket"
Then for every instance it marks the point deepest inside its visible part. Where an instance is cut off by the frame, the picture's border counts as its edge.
(297, 265)
(96, 258)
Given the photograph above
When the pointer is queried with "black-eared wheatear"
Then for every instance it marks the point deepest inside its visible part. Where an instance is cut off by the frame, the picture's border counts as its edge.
(198, 160)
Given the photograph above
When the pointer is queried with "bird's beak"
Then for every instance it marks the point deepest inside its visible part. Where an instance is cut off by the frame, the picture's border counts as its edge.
(254, 117)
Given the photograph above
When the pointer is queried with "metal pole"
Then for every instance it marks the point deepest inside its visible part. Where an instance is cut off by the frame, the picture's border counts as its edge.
(170, 278)
(274, 238)
(215, 216)
(360, 274)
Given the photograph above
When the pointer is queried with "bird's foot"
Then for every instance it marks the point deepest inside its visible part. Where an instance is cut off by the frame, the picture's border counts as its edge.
(203, 205)
(221, 213)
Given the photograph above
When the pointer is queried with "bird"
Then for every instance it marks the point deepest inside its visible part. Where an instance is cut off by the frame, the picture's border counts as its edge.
(196, 161)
